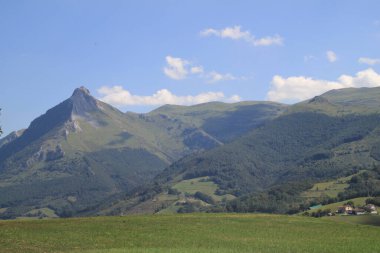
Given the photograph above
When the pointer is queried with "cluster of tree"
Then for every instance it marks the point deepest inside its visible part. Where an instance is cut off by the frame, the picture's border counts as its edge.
(292, 147)
(268, 168)
(280, 199)
(366, 184)
(319, 213)
(204, 197)
(375, 201)
(191, 207)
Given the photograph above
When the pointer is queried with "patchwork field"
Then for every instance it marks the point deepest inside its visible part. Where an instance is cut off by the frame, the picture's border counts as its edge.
(188, 233)
(330, 188)
(201, 184)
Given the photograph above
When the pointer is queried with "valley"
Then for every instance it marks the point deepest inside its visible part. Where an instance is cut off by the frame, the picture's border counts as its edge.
(199, 126)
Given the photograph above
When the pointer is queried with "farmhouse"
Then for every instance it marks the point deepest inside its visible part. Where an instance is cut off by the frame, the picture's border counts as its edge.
(346, 209)
(371, 208)
(349, 210)
(358, 211)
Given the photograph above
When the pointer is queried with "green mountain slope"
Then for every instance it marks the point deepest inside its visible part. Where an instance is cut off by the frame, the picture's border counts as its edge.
(224, 121)
(330, 136)
(83, 151)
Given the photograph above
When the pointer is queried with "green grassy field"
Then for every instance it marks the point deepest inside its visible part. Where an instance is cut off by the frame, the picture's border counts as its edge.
(188, 233)
(191, 186)
(330, 188)
(334, 206)
(373, 220)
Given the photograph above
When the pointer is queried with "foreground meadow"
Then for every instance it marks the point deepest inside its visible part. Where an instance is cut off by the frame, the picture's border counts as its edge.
(188, 233)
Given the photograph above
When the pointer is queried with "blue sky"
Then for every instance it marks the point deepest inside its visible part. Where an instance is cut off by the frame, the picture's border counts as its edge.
(137, 55)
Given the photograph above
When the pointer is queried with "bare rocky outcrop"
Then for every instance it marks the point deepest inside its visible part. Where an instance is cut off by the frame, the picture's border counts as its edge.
(83, 102)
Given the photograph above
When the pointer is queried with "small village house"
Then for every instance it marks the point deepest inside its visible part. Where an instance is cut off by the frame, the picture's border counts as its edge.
(358, 211)
(371, 208)
(346, 209)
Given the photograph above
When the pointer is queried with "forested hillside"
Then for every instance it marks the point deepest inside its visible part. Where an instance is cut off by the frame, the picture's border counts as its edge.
(330, 136)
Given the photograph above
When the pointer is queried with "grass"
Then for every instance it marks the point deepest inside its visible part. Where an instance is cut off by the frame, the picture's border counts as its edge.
(373, 220)
(188, 233)
(334, 206)
(191, 186)
(330, 188)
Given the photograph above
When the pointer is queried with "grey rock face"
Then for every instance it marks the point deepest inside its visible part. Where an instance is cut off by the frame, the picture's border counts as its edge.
(83, 102)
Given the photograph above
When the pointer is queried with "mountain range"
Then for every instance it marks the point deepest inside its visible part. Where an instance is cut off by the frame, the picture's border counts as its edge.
(83, 151)
(85, 157)
(268, 168)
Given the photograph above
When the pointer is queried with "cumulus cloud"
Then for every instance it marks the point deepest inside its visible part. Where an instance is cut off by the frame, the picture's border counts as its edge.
(368, 61)
(118, 96)
(176, 68)
(331, 56)
(235, 33)
(298, 88)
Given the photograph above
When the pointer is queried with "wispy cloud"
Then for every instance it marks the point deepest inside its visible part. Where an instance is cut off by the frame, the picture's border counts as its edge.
(197, 70)
(235, 33)
(309, 58)
(298, 88)
(331, 56)
(214, 76)
(368, 61)
(118, 96)
(178, 69)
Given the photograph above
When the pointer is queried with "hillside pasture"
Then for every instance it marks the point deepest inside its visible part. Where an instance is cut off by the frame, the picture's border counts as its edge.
(201, 184)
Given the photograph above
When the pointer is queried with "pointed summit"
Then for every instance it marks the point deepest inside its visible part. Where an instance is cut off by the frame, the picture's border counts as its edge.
(83, 102)
(81, 90)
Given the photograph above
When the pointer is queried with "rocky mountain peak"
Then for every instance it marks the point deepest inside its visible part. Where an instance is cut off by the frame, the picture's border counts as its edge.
(83, 102)
(81, 91)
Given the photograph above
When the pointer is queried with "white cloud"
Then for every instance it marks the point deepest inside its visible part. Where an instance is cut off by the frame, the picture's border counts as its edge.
(331, 56)
(214, 76)
(235, 33)
(267, 41)
(298, 88)
(368, 61)
(229, 32)
(196, 70)
(118, 96)
(234, 98)
(176, 68)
